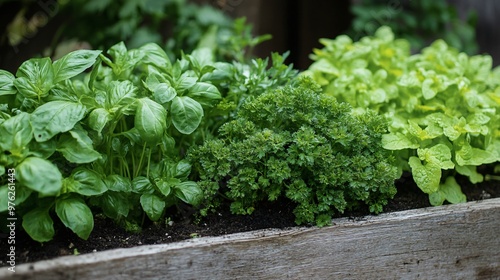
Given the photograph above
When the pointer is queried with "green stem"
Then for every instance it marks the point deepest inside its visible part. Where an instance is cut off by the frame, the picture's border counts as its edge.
(138, 170)
(489, 177)
(149, 161)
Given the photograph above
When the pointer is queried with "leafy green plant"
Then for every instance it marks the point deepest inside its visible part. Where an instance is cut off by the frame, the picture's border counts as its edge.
(298, 143)
(113, 140)
(419, 22)
(102, 139)
(443, 104)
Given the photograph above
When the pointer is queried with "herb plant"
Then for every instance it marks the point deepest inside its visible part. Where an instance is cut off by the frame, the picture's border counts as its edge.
(443, 104)
(100, 140)
(298, 143)
(113, 140)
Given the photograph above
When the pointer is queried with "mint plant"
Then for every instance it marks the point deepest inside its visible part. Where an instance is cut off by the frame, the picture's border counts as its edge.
(297, 143)
(443, 104)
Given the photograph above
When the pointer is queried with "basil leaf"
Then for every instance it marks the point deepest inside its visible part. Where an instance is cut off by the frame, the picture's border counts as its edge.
(165, 186)
(118, 183)
(98, 119)
(85, 182)
(7, 83)
(76, 215)
(184, 83)
(35, 77)
(55, 117)
(183, 168)
(141, 184)
(153, 206)
(73, 64)
(120, 94)
(156, 56)
(39, 175)
(150, 120)
(164, 93)
(22, 193)
(16, 134)
(42, 149)
(114, 204)
(77, 147)
(206, 94)
(189, 192)
(39, 225)
(186, 114)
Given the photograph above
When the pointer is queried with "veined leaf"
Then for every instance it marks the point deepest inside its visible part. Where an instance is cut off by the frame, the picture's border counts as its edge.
(184, 83)
(164, 93)
(452, 191)
(141, 184)
(114, 204)
(189, 192)
(183, 168)
(39, 175)
(150, 120)
(39, 225)
(35, 77)
(115, 182)
(7, 83)
(42, 149)
(98, 119)
(77, 147)
(85, 182)
(439, 154)
(426, 176)
(398, 141)
(152, 205)
(55, 117)
(165, 186)
(22, 193)
(73, 64)
(186, 114)
(120, 94)
(156, 56)
(449, 191)
(16, 134)
(76, 215)
(465, 154)
(470, 171)
(206, 94)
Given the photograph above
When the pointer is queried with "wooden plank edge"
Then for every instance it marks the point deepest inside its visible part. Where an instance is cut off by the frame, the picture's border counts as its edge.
(50, 267)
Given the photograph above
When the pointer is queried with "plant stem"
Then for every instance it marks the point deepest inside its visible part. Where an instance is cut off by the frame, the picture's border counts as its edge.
(138, 170)
(489, 177)
(149, 161)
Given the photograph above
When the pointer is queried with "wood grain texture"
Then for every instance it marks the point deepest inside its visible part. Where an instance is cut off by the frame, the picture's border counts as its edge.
(448, 242)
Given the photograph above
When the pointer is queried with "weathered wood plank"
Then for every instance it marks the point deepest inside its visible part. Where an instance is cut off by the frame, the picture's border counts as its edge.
(453, 242)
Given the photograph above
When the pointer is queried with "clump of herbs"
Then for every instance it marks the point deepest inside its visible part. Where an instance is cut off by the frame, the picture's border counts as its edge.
(113, 140)
(443, 104)
(298, 143)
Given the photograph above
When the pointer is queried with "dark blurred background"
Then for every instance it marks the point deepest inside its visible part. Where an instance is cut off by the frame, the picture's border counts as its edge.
(295, 25)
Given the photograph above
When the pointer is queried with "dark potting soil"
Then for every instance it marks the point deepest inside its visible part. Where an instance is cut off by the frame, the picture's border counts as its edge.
(107, 235)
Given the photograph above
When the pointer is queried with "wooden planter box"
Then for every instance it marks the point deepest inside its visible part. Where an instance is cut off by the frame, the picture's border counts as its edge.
(448, 242)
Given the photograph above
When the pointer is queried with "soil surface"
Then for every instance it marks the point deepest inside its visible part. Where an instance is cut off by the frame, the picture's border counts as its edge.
(107, 235)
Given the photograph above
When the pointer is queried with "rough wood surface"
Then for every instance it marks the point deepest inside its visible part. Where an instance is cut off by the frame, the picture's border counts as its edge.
(448, 242)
